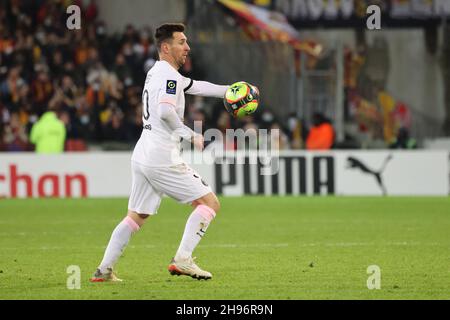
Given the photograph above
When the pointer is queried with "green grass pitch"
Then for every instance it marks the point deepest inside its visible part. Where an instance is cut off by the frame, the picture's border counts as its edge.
(257, 248)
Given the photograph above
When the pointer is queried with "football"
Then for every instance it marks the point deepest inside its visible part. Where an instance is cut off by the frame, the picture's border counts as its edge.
(241, 99)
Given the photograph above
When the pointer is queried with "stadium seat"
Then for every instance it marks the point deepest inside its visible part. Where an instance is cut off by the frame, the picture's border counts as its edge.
(75, 145)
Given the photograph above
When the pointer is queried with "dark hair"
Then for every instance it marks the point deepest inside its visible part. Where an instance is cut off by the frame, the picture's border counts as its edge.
(165, 32)
(318, 118)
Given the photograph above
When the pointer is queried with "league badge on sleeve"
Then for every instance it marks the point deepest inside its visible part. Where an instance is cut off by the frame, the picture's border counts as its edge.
(171, 87)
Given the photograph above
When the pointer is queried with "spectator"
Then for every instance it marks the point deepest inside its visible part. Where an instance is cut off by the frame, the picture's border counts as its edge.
(267, 119)
(48, 134)
(10, 88)
(57, 64)
(134, 123)
(251, 137)
(403, 140)
(15, 136)
(297, 132)
(121, 68)
(278, 139)
(91, 11)
(321, 135)
(223, 124)
(42, 89)
(114, 129)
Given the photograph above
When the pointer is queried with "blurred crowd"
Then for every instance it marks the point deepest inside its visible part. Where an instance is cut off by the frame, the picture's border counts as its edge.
(92, 81)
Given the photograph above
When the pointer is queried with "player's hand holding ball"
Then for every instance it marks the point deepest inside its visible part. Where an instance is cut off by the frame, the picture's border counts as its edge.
(241, 99)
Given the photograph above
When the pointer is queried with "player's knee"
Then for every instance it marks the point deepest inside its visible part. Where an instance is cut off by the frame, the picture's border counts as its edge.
(214, 204)
(143, 216)
(209, 200)
(139, 218)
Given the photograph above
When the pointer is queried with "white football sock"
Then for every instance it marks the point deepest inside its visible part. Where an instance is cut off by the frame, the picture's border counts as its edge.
(119, 239)
(195, 229)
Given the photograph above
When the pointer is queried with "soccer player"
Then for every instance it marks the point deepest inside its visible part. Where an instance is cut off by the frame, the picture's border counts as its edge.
(156, 164)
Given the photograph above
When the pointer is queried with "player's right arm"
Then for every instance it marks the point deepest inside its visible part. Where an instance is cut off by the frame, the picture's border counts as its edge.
(170, 87)
(168, 114)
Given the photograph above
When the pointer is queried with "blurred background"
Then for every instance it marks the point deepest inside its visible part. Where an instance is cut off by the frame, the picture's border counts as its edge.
(315, 62)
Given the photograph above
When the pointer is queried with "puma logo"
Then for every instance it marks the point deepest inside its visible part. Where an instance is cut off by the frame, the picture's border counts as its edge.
(353, 163)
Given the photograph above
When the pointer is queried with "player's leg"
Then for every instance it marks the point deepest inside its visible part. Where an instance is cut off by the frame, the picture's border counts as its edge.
(186, 186)
(144, 201)
(205, 210)
(209, 200)
(119, 239)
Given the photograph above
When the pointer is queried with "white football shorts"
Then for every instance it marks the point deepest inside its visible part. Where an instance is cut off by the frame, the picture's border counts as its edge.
(149, 184)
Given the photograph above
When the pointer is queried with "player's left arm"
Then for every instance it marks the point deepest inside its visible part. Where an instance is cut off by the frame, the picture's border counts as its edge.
(204, 88)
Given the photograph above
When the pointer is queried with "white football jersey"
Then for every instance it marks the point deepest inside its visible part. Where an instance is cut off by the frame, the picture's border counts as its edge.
(158, 146)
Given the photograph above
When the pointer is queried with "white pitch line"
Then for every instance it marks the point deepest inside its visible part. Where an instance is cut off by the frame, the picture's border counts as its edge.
(254, 245)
